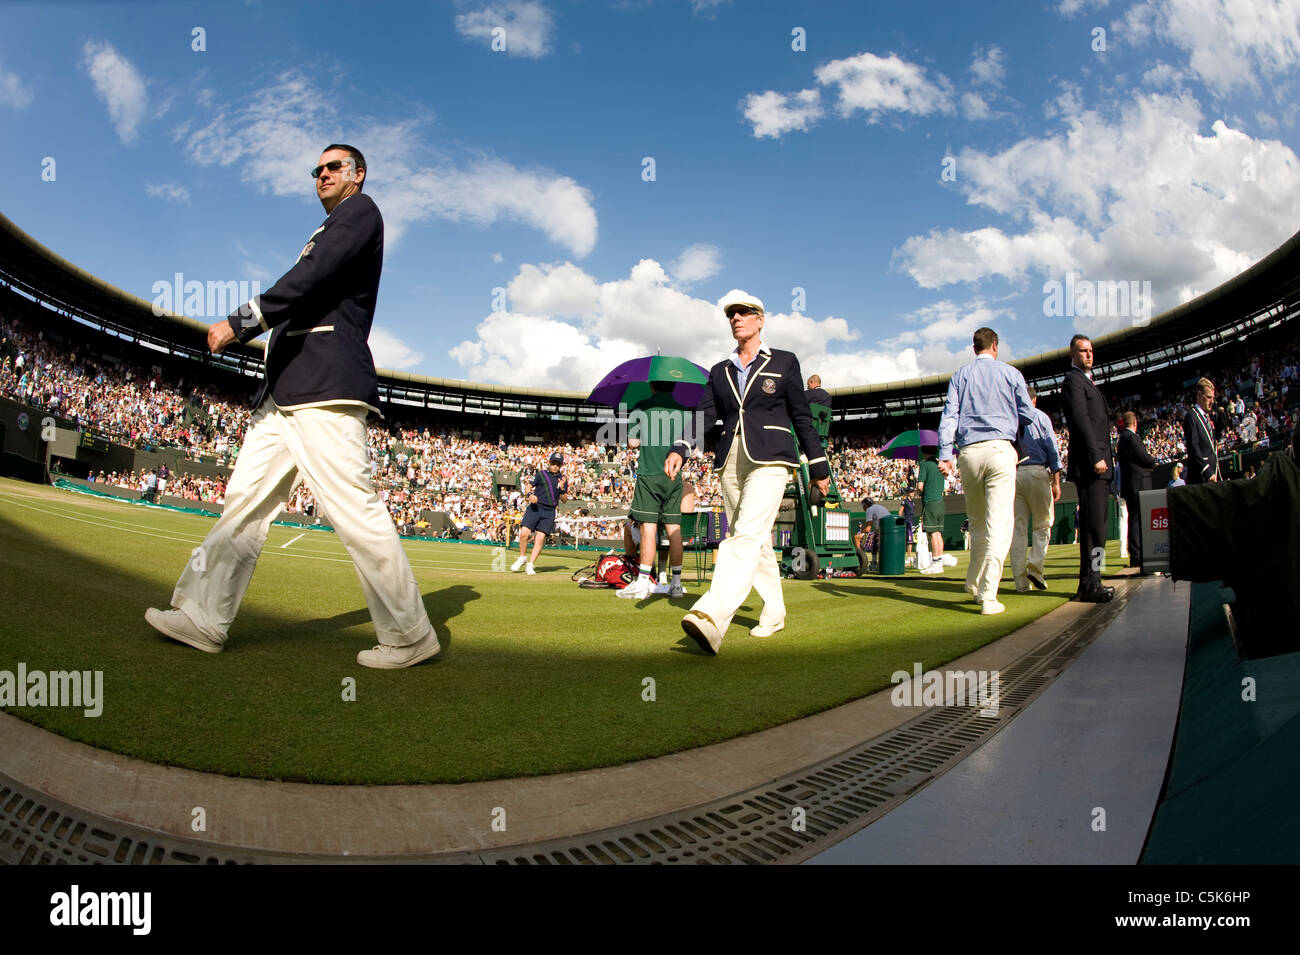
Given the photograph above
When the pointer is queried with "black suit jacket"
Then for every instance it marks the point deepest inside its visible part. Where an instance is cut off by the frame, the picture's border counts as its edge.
(818, 396)
(321, 310)
(1202, 458)
(1088, 417)
(1134, 464)
(772, 402)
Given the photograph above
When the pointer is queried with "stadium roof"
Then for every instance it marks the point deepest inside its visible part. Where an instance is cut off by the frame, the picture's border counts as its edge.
(1261, 297)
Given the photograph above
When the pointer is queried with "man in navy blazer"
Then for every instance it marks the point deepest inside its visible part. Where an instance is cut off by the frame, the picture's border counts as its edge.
(1198, 436)
(753, 399)
(1090, 466)
(309, 424)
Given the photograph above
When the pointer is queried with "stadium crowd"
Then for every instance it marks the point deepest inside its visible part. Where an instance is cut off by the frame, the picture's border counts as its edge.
(418, 467)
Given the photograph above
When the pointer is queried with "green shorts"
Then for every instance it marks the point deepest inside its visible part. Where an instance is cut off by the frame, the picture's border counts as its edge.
(932, 516)
(657, 499)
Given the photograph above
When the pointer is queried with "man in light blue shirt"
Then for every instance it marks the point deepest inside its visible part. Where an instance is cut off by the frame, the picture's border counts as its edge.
(987, 401)
(1038, 488)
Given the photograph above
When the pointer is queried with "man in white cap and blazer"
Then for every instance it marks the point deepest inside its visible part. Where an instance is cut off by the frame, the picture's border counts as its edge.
(753, 399)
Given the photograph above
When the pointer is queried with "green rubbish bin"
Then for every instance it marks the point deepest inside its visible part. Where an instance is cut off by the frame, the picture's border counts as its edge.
(893, 546)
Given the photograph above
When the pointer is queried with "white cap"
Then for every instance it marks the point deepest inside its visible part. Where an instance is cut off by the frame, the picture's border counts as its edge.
(737, 297)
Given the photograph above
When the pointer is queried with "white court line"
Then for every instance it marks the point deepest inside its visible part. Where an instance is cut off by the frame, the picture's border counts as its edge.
(18, 501)
(298, 538)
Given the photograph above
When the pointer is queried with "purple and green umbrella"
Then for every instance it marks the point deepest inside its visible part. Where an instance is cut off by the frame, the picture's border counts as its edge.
(629, 383)
(907, 446)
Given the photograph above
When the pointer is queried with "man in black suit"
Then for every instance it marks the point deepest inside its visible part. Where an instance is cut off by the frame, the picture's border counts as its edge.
(1198, 436)
(1088, 418)
(819, 403)
(1135, 466)
(310, 425)
(752, 400)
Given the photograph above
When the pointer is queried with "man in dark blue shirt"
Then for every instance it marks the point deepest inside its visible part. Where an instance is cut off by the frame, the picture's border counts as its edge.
(549, 489)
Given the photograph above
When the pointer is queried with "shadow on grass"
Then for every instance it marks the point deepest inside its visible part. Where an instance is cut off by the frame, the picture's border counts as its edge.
(27, 557)
(441, 605)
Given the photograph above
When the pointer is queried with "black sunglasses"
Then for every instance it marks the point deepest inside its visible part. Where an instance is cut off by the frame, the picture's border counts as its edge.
(334, 165)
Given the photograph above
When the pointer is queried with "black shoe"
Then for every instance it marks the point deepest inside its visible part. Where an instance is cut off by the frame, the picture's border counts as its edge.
(1037, 581)
(1101, 595)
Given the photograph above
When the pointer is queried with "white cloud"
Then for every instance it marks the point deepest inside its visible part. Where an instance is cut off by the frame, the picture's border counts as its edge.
(947, 321)
(707, 7)
(120, 85)
(696, 263)
(989, 67)
(498, 258)
(553, 290)
(935, 341)
(872, 84)
(876, 84)
(1163, 76)
(1068, 8)
(528, 26)
(565, 329)
(1231, 43)
(13, 92)
(277, 135)
(974, 106)
(391, 352)
(1133, 195)
(171, 191)
(774, 114)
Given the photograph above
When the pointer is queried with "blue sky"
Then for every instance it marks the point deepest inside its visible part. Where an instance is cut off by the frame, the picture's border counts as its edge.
(916, 170)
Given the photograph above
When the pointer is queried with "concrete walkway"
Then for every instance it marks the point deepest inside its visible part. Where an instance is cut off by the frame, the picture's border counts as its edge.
(1073, 779)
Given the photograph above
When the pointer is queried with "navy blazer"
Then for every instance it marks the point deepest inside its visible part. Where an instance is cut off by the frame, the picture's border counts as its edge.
(321, 310)
(1088, 418)
(1202, 457)
(774, 400)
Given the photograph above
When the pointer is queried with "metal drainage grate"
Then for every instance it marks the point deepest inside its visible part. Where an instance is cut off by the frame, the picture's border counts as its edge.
(838, 796)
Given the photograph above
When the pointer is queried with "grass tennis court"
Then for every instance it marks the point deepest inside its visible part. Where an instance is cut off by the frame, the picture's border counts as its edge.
(536, 676)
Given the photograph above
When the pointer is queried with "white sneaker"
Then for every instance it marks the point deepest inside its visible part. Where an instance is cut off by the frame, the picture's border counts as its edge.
(990, 607)
(932, 570)
(385, 657)
(528, 569)
(639, 589)
(518, 564)
(177, 625)
(948, 560)
(701, 628)
(766, 630)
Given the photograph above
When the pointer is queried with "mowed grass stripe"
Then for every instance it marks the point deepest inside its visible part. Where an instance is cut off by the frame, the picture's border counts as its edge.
(537, 676)
(153, 522)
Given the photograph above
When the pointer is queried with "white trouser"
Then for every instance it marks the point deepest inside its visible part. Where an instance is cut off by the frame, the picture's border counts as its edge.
(327, 447)
(751, 494)
(1033, 499)
(988, 476)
